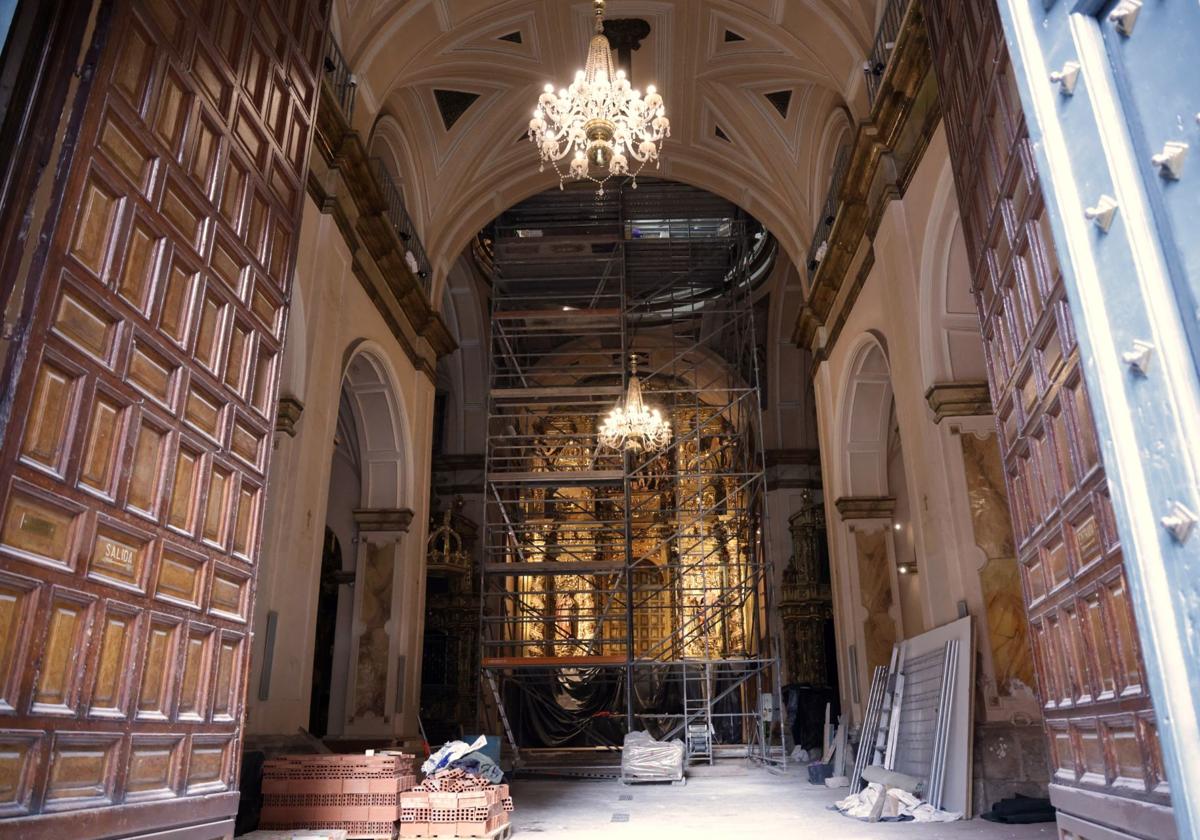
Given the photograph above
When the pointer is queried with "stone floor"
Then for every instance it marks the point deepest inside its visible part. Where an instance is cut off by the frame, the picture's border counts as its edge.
(729, 801)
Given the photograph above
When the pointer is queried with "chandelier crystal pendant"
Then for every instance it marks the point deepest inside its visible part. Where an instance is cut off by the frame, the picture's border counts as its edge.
(608, 126)
(632, 425)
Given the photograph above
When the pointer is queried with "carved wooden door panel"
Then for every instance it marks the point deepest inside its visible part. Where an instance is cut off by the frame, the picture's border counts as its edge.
(1100, 724)
(131, 483)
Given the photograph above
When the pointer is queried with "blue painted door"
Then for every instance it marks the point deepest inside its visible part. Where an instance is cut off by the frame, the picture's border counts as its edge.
(1111, 94)
(1153, 48)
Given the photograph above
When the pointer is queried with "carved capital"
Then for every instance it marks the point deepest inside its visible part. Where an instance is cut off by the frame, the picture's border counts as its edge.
(866, 507)
(383, 522)
(958, 399)
(288, 415)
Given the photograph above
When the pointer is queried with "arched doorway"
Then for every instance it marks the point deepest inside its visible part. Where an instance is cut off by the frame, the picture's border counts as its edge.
(327, 602)
(868, 596)
(334, 599)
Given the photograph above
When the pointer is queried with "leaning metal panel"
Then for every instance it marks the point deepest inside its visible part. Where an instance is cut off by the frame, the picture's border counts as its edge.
(624, 591)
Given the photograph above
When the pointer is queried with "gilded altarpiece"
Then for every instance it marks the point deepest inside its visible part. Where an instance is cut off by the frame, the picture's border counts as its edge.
(806, 601)
(450, 661)
(689, 540)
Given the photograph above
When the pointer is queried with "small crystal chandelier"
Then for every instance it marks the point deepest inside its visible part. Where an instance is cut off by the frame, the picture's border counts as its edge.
(631, 424)
(603, 120)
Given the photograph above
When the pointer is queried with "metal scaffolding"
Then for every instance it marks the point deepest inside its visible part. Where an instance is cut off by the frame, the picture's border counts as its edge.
(626, 591)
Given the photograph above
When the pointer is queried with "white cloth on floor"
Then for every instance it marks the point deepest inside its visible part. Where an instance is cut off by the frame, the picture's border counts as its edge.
(899, 803)
(451, 751)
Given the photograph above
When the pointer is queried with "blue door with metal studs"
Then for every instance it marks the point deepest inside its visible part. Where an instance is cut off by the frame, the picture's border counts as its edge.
(1111, 93)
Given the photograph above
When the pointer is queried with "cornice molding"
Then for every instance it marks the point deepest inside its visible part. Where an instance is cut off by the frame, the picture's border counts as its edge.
(958, 399)
(348, 191)
(884, 156)
(383, 520)
(865, 507)
(805, 457)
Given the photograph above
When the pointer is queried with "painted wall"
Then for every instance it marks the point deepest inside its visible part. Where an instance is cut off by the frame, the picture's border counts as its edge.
(915, 309)
(335, 321)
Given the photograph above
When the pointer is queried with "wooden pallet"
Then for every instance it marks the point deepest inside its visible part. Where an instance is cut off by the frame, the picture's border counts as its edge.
(679, 780)
(502, 832)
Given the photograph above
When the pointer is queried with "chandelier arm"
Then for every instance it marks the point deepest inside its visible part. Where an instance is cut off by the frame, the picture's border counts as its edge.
(599, 117)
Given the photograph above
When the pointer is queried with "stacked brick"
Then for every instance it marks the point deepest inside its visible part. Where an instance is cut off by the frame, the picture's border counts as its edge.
(359, 794)
(452, 803)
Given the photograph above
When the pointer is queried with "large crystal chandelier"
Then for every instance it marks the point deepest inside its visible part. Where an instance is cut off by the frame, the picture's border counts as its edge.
(631, 424)
(610, 127)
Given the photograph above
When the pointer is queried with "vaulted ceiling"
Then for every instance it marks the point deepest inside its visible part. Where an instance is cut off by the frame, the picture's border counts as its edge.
(759, 92)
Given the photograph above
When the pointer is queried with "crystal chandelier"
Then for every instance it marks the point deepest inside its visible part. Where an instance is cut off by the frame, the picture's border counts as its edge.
(610, 127)
(631, 424)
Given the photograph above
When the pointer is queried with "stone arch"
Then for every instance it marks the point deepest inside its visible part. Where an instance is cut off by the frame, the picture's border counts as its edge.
(389, 142)
(865, 420)
(836, 132)
(951, 344)
(382, 425)
(463, 375)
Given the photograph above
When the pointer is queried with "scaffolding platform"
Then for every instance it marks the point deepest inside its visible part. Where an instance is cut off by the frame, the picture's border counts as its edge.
(626, 591)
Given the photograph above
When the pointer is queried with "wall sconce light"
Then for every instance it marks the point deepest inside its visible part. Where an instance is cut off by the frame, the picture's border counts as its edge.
(907, 568)
(898, 526)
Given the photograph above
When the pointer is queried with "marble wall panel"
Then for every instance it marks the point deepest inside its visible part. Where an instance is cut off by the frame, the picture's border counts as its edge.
(875, 584)
(371, 669)
(999, 578)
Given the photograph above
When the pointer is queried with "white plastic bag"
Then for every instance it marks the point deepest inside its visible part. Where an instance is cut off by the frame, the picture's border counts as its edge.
(643, 757)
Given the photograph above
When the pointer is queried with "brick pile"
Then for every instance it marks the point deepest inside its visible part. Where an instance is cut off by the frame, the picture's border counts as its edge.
(452, 803)
(359, 794)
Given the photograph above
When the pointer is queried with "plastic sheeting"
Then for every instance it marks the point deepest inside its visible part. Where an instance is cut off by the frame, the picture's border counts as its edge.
(898, 805)
(450, 752)
(645, 758)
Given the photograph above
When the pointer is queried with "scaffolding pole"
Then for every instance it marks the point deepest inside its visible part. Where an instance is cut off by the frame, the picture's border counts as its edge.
(620, 590)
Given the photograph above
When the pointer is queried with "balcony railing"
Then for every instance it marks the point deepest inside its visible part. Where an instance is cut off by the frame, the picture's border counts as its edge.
(414, 254)
(885, 43)
(816, 251)
(341, 80)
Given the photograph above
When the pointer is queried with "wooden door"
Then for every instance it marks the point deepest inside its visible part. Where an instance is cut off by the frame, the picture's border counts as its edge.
(1100, 725)
(132, 474)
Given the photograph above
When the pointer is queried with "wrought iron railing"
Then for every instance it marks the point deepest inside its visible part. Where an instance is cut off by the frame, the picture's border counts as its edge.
(816, 251)
(337, 74)
(414, 253)
(885, 43)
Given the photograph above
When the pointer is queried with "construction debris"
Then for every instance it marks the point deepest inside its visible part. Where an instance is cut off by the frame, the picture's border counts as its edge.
(917, 723)
(875, 802)
(892, 779)
(359, 794)
(453, 803)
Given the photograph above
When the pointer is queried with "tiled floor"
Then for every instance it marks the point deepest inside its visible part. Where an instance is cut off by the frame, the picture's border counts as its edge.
(729, 801)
